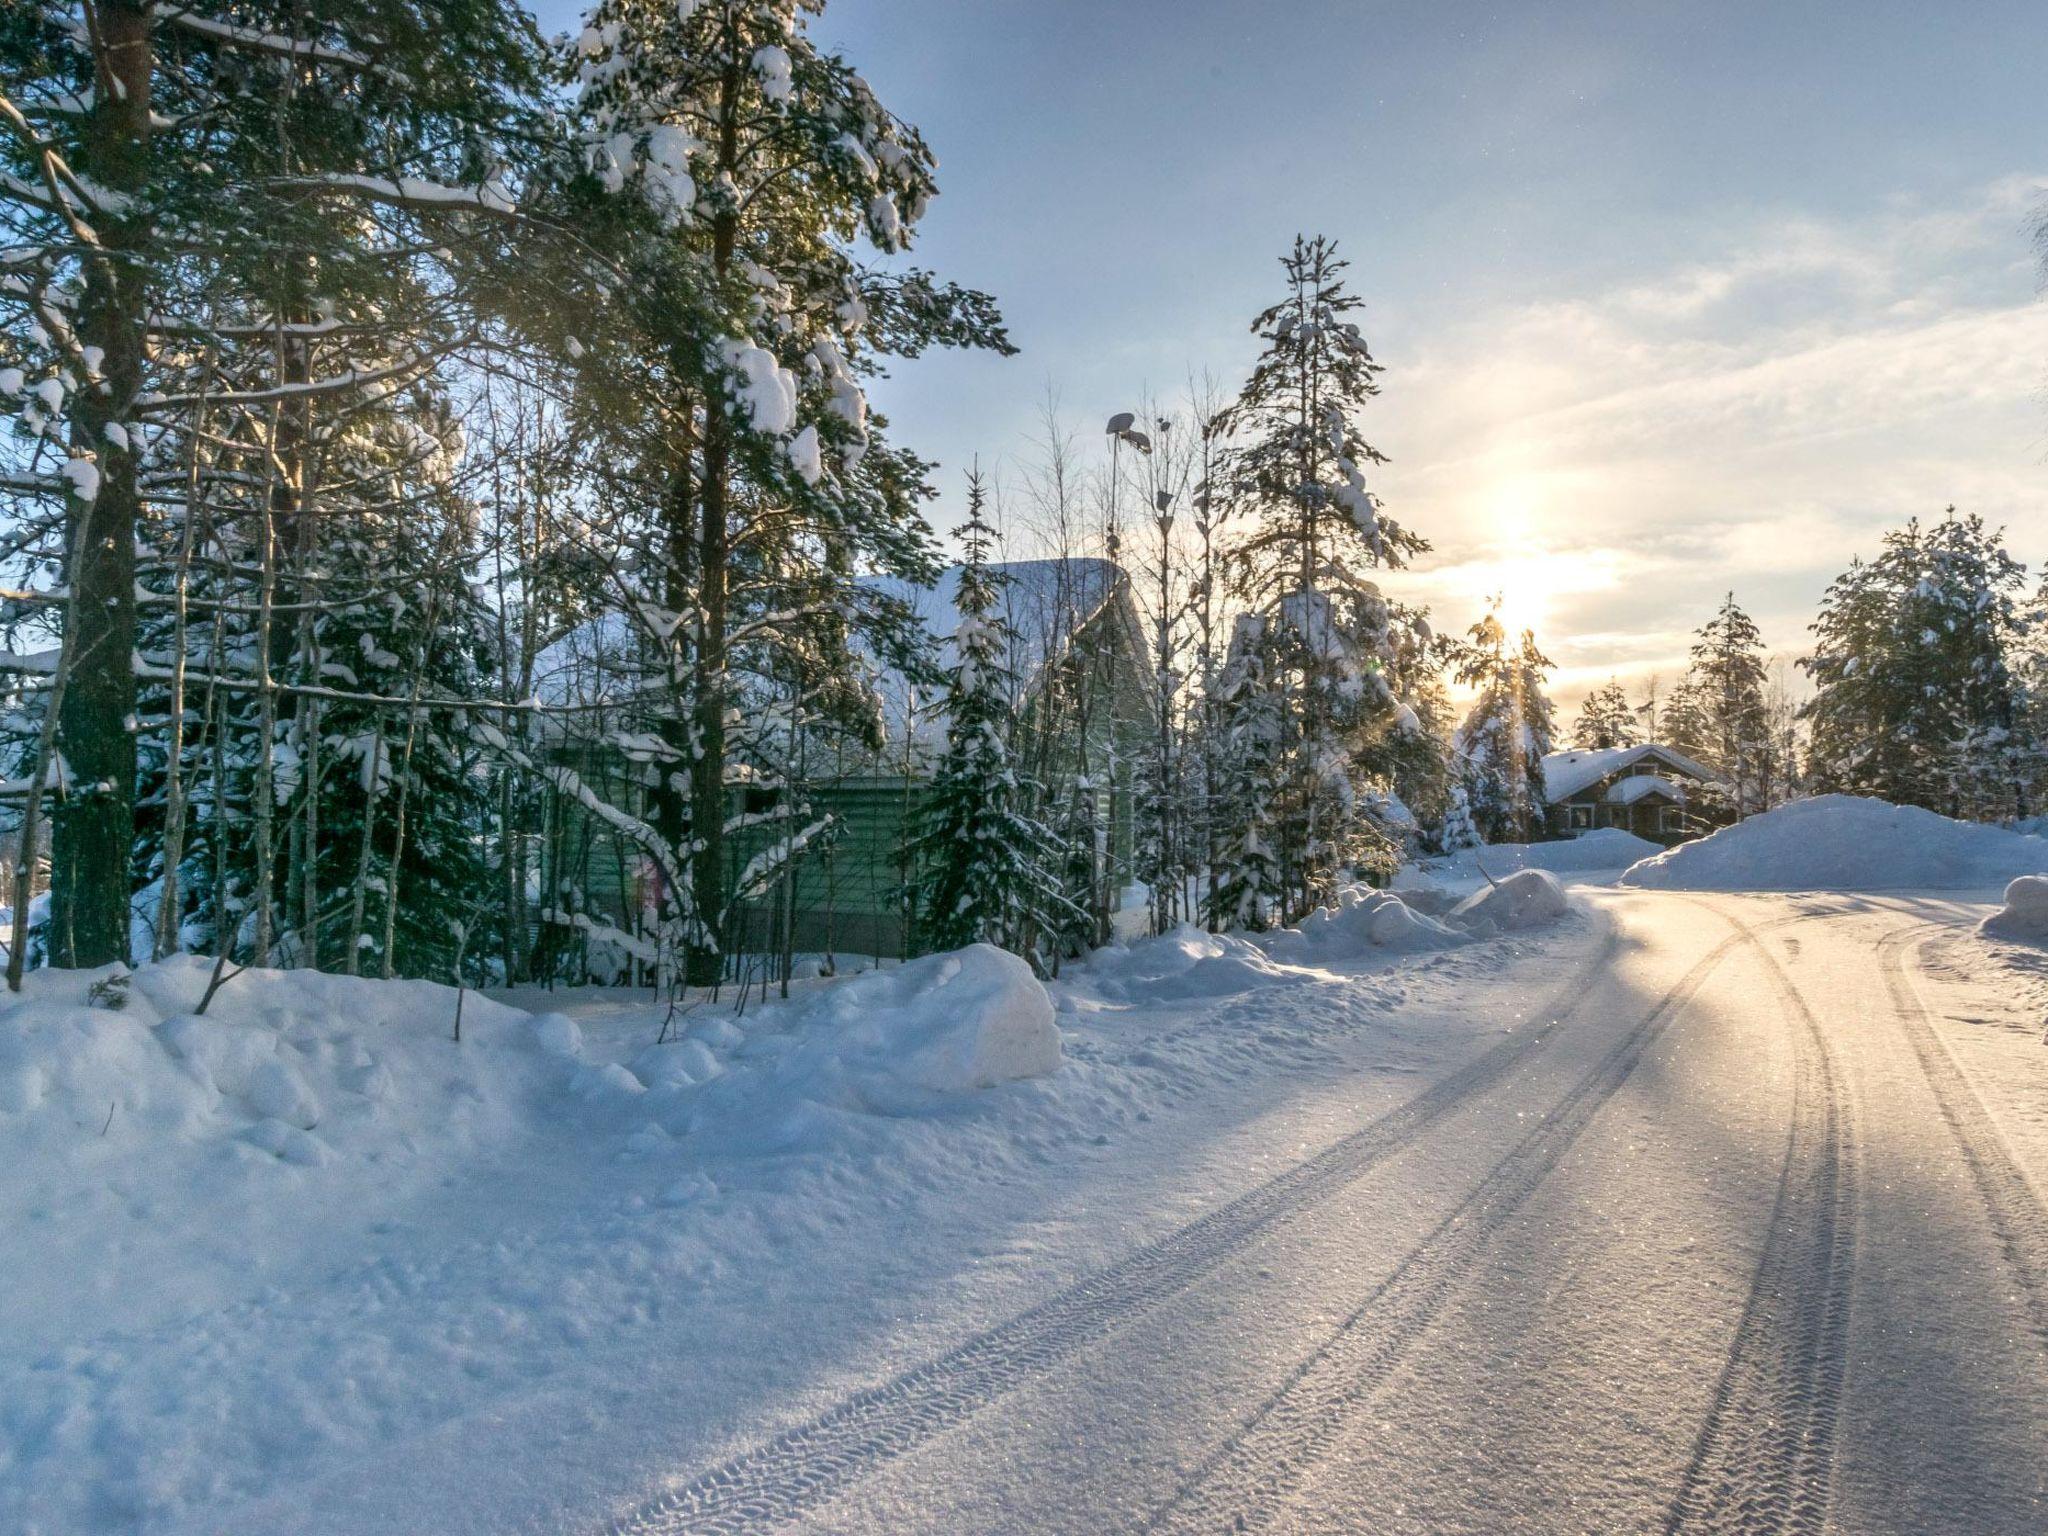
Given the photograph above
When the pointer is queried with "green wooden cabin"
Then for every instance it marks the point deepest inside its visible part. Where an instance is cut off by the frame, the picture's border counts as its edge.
(1082, 670)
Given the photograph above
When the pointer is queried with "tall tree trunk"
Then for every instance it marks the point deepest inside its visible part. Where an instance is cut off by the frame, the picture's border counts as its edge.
(707, 764)
(93, 831)
(170, 902)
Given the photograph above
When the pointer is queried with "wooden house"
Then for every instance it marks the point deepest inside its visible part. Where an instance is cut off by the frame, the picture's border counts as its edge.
(1649, 790)
(1079, 662)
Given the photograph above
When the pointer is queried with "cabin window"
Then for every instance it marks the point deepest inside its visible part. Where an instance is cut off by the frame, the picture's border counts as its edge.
(1581, 818)
(1671, 818)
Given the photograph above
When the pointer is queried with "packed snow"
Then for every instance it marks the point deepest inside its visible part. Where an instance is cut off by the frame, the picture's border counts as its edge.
(310, 1226)
(1844, 843)
(1522, 900)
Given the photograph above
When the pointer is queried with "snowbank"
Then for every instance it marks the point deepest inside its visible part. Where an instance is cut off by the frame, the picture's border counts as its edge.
(1522, 900)
(1184, 965)
(971, 1018)
(308, 1260)
(1363, 919)
(1607, 848)
(2025, 914)
(297, 1065)
(1844, 842)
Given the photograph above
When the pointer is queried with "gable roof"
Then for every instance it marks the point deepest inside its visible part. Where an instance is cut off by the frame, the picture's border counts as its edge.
(1567, 773)
(1044, 603)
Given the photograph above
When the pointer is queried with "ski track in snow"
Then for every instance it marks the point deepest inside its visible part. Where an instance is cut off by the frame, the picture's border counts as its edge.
(1765, 1455)
(807, 1465)
(2014, 1207)
(1239, 1485)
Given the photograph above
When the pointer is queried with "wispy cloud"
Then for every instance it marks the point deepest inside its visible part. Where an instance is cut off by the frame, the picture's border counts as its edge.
(1747, 421)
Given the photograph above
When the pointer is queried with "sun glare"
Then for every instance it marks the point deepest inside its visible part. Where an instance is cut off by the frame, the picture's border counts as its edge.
(1523, 592)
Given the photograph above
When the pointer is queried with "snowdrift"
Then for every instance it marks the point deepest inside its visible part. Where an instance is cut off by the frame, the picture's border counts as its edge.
(285, 1064)
(1607, 848)
(1523, 900)
(1362, 920)
(951, 1023)
(1844, 843)
(2024, 916)
(1184, 965)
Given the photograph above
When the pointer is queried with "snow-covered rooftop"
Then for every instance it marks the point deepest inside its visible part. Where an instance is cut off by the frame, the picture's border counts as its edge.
(1566, 773)
(1639, 786)
(1043, 602)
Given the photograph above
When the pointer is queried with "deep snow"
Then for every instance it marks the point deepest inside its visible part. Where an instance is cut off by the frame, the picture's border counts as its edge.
(1844, 843)
(2024, 913)
(255, 1248)
(310, 1265)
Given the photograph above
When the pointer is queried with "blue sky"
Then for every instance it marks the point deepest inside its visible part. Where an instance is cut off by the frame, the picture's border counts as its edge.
(1673, 298)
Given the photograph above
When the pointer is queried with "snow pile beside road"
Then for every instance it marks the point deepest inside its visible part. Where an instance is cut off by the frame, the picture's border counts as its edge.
(2025, 913)
(951, 1023)
(1363, 919)
(292, 1064)
(1523, 900)
(1184, 965)
(1844, 842)
(1607, 848)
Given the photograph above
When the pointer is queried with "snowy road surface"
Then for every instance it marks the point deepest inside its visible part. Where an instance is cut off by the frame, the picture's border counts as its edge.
(1735, 1237)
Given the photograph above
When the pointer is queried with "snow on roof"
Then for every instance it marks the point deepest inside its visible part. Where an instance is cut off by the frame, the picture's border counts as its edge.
(1639, 785)
(1044, 603)
(1567, 773)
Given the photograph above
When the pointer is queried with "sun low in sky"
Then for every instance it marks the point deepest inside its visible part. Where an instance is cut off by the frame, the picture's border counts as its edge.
(1673, 299)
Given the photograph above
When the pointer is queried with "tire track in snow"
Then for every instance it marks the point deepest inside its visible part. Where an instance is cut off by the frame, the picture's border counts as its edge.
(2011, 1202)
(1240, 1484)
(807, 1465)
(1764, 1459)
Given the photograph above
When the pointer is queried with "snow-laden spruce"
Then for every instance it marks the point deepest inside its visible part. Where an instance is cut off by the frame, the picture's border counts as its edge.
(1306, 697)
(737, 163)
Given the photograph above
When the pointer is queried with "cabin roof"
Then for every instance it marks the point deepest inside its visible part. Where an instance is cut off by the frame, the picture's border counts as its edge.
(1569, 773)
(1044, 603)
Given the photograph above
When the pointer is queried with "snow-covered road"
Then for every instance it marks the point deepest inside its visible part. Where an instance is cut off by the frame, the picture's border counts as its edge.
(1733, 1239)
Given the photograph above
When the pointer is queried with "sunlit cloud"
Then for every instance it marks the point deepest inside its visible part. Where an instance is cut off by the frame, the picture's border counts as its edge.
(1613, 462)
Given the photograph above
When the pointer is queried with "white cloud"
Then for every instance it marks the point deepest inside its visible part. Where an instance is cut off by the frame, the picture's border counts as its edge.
(1747, 421)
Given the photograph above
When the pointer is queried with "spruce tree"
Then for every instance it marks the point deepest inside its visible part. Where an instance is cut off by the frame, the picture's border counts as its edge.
(1606, 720)
(1917, 698)
(1314, 633)
(989, 872)
(1507, 732)
(1727, 681)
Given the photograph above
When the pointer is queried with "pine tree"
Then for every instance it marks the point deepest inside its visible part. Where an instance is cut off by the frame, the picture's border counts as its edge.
(1314, 633)
(1916, 695)
(198, 191)
(988, 871)
(749, 159)
(1606, 720)
(1727, 680)
(1507, 733)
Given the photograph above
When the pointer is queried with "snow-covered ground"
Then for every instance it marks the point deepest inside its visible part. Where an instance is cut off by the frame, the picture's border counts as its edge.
(310, 1234)
(1457, 1214)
